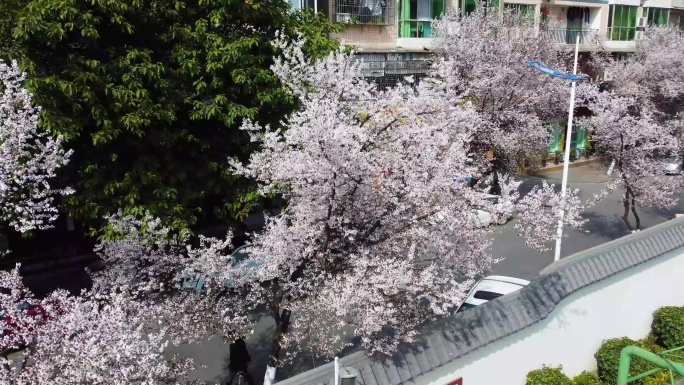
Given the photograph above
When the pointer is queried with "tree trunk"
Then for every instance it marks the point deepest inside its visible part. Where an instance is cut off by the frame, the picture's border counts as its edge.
(282, 323)
(5, 355)
(625, 216)
(636, 216)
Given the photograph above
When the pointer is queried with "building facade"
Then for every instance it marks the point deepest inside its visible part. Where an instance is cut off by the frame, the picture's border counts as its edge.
(393, 38)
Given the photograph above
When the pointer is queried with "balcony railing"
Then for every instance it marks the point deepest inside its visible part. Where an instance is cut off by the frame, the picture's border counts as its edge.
(364, 11)
(569, 35)
(621, 33)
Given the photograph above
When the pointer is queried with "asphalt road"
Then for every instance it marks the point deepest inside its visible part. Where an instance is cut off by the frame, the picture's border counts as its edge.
(519, 261)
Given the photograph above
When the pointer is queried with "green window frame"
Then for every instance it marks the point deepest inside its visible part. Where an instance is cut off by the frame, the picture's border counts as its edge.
(657, 16)
(557, 129)
(415, 17)
(526, 10)
(622, 22)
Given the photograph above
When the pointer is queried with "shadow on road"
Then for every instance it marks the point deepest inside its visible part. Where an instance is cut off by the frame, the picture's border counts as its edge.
(606, 226)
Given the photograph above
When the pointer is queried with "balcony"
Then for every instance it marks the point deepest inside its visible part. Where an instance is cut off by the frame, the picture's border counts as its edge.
(569, 35)
(371, 12)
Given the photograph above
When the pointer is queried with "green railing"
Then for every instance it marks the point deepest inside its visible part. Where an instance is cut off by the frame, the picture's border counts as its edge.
(658, 359)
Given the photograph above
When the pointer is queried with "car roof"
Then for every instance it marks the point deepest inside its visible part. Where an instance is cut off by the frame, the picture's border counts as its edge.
(495, 284)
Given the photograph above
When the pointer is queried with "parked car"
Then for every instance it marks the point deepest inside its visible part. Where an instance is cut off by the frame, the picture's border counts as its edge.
(9, 327)
(671, 165)
(240, 260)
(483, 218)
(489, 288)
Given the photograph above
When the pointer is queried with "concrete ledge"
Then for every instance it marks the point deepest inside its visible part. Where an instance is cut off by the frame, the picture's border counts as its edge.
(559, 167)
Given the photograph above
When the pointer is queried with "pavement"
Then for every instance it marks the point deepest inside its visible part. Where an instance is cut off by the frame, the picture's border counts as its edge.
(604, 224)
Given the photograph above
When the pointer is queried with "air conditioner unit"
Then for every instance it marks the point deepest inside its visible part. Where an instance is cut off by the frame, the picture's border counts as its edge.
(641, 22)
(607, 76)
(639, 35)
(343, 17)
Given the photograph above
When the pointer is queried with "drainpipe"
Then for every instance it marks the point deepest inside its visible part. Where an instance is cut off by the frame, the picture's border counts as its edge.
(626, 355)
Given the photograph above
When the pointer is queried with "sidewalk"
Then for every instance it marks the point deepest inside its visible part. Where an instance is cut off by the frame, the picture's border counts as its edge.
(550, 166)
(592, 170)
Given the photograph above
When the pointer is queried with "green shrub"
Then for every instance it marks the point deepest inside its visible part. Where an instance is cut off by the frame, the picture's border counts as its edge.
(660, 378)
(586, 378)
(608, 357)
(668, 326)
(548, 376)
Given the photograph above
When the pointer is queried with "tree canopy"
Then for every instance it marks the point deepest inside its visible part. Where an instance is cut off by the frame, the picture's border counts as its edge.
(150, 95)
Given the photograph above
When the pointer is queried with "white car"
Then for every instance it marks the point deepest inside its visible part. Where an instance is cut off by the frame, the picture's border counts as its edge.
(671, 165)
(482, 218)
(489, 288)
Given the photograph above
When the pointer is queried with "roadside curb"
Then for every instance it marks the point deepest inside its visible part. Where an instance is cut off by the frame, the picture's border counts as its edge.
(559, 167)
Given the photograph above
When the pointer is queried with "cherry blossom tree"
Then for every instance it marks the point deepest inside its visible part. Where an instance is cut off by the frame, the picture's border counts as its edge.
(539, 212)
(484, 60)
(29, 158)
(377, 236)
(637, 121)
(94, 339)
(164, 272)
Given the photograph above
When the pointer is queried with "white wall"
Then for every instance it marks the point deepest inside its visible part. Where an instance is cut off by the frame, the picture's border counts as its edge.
(618, 306)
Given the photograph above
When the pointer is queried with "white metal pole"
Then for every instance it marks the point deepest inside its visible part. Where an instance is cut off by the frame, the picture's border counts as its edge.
(337, 372)
(566, 161)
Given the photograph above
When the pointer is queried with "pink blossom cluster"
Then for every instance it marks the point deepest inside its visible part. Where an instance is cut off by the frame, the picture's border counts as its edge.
(29, 158)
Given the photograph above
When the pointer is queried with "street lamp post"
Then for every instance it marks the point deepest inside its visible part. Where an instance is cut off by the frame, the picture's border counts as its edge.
(539, 66)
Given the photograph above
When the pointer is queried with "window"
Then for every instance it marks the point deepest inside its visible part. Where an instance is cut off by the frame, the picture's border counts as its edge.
(526, 11)
(303, 4)
(486, 295)
(415, 16)
(364, 11)
(465, 307)
(657, 16)
(622, 22)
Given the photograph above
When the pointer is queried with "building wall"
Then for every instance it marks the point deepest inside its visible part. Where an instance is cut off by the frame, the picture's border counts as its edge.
(621, 305)
(367, 34)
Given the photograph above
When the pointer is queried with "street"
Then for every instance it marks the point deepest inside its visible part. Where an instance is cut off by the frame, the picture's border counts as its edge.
(519, 261)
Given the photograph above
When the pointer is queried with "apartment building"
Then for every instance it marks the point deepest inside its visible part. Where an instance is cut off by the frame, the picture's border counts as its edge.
(393, 37)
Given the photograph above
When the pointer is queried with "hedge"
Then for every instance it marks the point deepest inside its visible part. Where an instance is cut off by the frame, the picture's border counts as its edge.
(587, 378)
(548, 376)
(608, 358)
(667, 333)
(668, 326)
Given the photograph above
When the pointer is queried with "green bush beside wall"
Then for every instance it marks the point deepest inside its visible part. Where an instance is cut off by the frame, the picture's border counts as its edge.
(548, 375)
(668, 326)
(587, 378)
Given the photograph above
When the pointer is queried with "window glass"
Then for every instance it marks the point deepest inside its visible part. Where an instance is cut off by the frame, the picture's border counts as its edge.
(415, 16)
(658, 16)
(622, 22)
(486, 295)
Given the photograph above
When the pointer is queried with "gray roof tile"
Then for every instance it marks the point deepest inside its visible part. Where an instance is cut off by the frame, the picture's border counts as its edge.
(455, 336)
(379, 371)
(392, 372)
(402, 369)
(367, 373)
(412, 362)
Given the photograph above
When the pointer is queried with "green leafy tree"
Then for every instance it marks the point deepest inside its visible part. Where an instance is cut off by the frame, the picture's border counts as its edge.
(150, 94)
